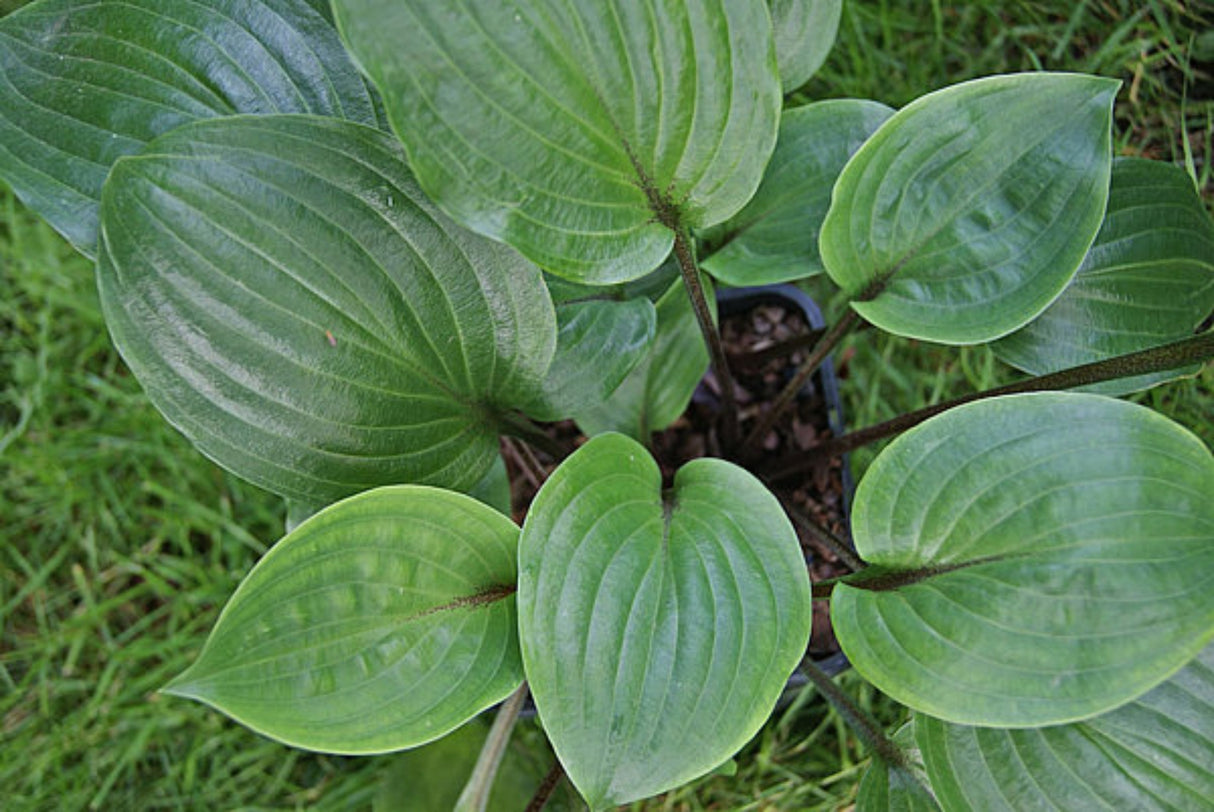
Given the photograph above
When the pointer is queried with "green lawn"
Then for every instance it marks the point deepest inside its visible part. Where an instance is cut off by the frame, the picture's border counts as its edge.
(119, 543)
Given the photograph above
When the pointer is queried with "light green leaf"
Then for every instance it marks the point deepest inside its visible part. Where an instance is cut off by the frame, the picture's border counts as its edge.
(805, 31)
(659, 388)
(968, 212)
(657, 629)
(775, 237)
(1154, 753)
(83, 82)
(1148, 280)
(291, 301)
(381, 623)
(578, 131)
(1035, 559)
(598, 343)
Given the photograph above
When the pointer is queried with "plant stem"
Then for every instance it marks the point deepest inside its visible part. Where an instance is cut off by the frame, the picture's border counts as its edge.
(864, 725)
(685, 254)
(475, 796)
(544, 792)
(825, 345)
(1181, 353)
(823, 536)
(527, 464)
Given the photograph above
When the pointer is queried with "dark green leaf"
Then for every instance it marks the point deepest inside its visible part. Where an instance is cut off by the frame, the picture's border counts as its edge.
(578, 131)
(1154, 753)
(659, 388)
(292, 302)
(657, 629)
(599, 342)
(775, 237)
(805, 31)
(1148, 280)
(968, 212)
(494, 488)
(1035, 559)
(83, 82)
(381, 623)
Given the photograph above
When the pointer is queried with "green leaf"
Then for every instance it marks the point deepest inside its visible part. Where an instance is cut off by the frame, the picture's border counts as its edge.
(657, 629)
(775, 237)
(892, 789)
(888, 787)
(968, 212)
(298, 511)
(578, 131)
(83, 82)
(805, 31)
(1148, 280)
(291, 301)
(659, 388)
(1035, 559)
(598, 343)
(1154, 753)
(494, 488)
(381, 623)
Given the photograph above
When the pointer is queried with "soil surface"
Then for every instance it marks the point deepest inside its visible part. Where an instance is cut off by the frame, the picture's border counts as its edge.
(765, 345)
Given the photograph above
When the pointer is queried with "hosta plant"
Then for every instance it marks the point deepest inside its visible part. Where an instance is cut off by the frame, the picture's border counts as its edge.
(347, 250)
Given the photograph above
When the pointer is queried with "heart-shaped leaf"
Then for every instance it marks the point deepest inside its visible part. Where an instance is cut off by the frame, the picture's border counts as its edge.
(659, 388)
(1154, 753)
(1148, 280)
(380, 623)
(657, 629)
(1035, 559)
(291, 301)
(83, 82)
(775, 237)
(598, 343)
(578, 131)
(968, 212)
(805, 31)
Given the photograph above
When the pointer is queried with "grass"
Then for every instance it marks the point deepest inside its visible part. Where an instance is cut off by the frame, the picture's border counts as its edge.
(121, 543)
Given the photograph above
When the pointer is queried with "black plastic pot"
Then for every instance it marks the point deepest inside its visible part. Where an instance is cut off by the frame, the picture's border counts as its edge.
(734, 301)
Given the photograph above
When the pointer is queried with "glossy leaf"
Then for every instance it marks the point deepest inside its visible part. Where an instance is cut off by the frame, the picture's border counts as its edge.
(805, 31)
(290, 300)
(83, 82)
(381, 623)
(1154, 753)
(775, 237)
(657, 629)
(968, 212)
(598, 343)
(659, 388)
(1035, 559)
(577, 131)
(1148, 280)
